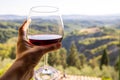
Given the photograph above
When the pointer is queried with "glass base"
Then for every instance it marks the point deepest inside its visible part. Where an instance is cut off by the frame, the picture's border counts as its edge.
(46, 73)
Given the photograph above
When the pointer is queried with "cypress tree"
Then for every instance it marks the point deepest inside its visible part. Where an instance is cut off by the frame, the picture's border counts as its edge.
(104, 59)
(73, 57)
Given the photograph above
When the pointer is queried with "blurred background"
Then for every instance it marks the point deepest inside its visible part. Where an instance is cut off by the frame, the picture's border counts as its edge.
(91, 43)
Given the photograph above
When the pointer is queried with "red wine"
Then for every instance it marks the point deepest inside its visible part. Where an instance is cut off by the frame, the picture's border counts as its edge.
(45, 39)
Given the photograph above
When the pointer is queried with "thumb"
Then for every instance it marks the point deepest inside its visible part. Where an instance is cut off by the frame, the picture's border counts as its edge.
(23, 29)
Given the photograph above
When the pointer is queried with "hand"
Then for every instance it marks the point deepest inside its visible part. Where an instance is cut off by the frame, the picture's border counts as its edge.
(27, 56)
(25, 48)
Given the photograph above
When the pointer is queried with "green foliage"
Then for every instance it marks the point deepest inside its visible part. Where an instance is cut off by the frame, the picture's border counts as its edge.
(110, 30)
(88, 41)
(63, 57)
(109, 72)
(104, 46)
(73, 57)
(93, 62)
(72, 70)
(117, 64)
(54, 58)
(88, 71)
(82, 59)
(104, 59)
(77, 62)
(43, 26)
(8, 29)
(5, 49)
(93, 40)
(106, 72)
(4, 65)
(6, 34)
(60, 68)
(106, 78)
(58, 58)
(8, 49)
(12, 53)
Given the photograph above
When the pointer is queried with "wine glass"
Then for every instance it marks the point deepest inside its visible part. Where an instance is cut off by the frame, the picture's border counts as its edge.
(46, 28)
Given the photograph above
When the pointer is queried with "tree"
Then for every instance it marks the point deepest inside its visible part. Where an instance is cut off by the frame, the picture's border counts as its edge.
(104, 59)
(73, 57)
(54, 58)
(82, 59)
(12, 53)
(93, 62)
(63, 57)
(117, 64)
(5, 50)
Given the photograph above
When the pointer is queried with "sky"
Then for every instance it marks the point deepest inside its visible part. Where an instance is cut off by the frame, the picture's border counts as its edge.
(82, 7)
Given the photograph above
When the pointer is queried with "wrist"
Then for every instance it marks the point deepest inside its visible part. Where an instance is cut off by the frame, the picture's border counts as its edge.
(24, 70)
(18, 71)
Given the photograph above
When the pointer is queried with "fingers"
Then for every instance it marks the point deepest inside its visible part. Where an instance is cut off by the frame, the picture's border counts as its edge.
(51, 47)
(23, 29)
(33, 55)
(48, 48)
(23, 46)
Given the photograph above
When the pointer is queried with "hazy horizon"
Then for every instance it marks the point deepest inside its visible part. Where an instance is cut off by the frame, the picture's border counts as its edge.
(67, 7)
(117, 14)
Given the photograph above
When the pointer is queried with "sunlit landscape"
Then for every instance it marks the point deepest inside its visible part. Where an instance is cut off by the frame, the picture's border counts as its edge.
(90, 45)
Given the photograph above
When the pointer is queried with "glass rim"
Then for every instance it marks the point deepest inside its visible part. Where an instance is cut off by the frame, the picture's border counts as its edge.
(44, 9)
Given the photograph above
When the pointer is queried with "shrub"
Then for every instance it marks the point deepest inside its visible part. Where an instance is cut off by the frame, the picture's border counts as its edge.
(72, 71)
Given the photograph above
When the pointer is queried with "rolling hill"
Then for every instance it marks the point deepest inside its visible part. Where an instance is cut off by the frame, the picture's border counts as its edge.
(91, 34)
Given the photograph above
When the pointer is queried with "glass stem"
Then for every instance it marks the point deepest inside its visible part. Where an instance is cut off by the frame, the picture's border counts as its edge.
(45, 60)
